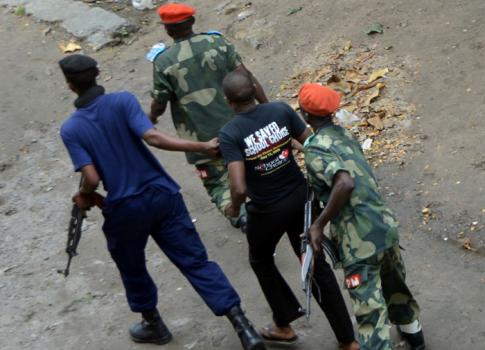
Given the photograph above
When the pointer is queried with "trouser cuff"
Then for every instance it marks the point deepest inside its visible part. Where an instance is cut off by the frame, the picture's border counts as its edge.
(283, 322)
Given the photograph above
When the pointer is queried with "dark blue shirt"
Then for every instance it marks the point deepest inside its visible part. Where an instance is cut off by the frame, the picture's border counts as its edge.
(107, 133)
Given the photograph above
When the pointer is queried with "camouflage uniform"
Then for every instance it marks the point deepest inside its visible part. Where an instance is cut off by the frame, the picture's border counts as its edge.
(366, 233)
(215, 179)
(189, 74)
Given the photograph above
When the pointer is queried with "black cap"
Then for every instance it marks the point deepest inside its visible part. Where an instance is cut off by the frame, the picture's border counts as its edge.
(76, 63)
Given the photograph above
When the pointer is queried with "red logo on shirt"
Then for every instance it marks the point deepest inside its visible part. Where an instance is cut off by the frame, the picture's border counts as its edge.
(353, 281)
(284, 154)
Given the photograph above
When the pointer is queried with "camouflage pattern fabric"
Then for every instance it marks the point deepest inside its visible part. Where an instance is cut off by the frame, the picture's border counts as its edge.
(379, 297)
(366, 226)
(189, 74)
(215, 179)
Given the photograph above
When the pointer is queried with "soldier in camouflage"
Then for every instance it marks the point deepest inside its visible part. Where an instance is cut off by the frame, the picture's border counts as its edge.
(361, 224)
(189, 75)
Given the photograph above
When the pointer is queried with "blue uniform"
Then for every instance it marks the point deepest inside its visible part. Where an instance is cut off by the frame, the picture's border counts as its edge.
(106, 131)
(108, 134)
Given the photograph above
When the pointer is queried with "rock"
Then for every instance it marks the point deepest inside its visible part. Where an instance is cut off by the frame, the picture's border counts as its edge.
(11, 211)
(376, 122)
(231, 9)
(78, 18)
(100, 40)
(245, 14)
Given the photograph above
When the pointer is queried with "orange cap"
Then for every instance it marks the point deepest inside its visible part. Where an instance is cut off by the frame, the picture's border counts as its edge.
(318, 100)
(174, 13)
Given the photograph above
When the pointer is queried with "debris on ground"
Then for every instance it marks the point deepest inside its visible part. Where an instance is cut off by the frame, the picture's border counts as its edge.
(371, 107)
(70, 47)
(143, 4)
(374, 28)
(20, 11)
(245, 14)
(426, 212)
(294, 10)
(467, 244)
(46, 31)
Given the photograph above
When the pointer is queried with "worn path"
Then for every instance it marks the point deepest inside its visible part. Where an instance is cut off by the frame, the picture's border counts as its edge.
(42, 310)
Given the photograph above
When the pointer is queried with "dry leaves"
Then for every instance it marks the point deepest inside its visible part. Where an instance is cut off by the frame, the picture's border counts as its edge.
(378, 74)
(426, 212)
(70, 47)
(358, 74)
(467, 244)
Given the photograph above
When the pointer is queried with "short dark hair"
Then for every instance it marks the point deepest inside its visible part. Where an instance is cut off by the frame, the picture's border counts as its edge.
(239, 87)
(175, 29)
(83, 80)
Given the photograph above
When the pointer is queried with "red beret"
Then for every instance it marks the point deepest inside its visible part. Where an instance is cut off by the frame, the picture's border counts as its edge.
(174, 13)
(318, 100)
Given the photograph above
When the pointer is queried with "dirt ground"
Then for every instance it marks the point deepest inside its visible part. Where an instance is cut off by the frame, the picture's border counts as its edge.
(439, 44)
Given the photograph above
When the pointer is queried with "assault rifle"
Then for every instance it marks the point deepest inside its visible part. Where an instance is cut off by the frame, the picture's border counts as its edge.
(75, 228)
(312, 209)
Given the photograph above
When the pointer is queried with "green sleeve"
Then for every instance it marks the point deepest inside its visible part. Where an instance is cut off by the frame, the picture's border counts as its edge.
(233, 58)
(162, 90)
(324, 166)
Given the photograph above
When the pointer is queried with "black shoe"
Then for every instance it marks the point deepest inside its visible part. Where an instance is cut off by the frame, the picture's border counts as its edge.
(415, 340)
(151, 329)
(250, 339)
(242, 223)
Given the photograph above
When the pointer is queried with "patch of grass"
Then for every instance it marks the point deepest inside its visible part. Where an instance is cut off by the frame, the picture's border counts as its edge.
(20, 11)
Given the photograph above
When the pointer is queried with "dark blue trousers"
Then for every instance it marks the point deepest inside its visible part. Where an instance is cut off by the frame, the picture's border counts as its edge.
(164, 217)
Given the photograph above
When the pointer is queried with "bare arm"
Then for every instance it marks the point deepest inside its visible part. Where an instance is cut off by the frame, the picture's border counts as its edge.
(86, 197)
(260, 94)
(91, 179)
(167, 142)
(156, 110)
(237, 181)
(342, 188)
(300, 140)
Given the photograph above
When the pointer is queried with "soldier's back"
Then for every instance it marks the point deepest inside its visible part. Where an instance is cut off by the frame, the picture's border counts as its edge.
(192, 71)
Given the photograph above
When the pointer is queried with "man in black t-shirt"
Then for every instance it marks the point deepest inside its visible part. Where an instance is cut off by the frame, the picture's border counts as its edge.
(256, 145)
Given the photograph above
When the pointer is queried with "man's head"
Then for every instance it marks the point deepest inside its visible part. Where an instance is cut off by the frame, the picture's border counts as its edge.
(80, 72)
(239, 89)
(178, 19)
(317, 102)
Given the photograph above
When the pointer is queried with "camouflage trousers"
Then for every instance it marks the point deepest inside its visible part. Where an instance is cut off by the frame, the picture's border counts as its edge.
(215, 179)
(380, 296)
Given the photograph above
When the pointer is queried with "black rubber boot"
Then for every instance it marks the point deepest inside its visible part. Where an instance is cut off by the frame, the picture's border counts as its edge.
(415, 340)
(250, 339)
(151, 329)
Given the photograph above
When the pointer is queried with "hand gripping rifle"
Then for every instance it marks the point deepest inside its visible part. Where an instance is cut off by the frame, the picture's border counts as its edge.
(75, 228)
(312, 209)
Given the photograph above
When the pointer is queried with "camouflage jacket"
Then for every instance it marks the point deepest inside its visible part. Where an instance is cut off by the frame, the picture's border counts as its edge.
(189, 74)
(365, 226)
